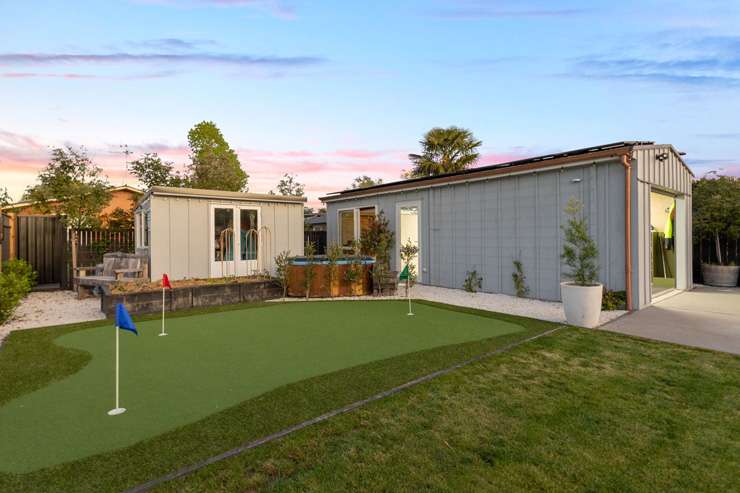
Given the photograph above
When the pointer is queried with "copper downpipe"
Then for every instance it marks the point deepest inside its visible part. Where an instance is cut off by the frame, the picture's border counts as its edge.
(628, 229)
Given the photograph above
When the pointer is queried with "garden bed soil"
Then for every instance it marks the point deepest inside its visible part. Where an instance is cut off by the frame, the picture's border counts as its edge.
(241, 290)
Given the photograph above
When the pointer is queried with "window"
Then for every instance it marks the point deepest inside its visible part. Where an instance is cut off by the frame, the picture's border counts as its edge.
(248, 233)
(351, 223)
(346, 227)
(147, 224)
(367, 214)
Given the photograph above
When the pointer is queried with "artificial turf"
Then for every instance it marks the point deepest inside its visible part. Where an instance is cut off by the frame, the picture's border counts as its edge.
(208, 363)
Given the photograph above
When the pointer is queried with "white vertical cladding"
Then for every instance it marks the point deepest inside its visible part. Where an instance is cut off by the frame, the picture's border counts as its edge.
(668, 174)
(181, 229)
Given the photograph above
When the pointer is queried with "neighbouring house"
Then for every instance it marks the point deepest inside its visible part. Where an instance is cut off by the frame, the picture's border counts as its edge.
(636, 197)
(315, 221)
(192, 233)
(40, 239)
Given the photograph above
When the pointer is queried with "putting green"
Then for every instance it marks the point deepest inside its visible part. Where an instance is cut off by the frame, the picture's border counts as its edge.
(208, 363)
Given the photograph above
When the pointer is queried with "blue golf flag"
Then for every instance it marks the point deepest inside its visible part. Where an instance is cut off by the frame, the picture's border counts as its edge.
(123, 319)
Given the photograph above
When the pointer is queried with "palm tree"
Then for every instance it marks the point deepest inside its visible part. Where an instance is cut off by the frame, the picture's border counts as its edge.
(445, 150)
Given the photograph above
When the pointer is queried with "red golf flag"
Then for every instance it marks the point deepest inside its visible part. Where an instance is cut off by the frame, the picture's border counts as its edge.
(166, 281)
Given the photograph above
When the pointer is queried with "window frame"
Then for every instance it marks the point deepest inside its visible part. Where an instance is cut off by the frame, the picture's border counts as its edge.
(355, 221)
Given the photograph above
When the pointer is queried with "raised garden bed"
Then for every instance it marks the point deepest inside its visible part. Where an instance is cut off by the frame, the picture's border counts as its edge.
(190, 295)
(320, 288)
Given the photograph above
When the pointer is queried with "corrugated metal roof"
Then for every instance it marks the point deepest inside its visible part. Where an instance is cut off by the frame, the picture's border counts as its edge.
(511, 164)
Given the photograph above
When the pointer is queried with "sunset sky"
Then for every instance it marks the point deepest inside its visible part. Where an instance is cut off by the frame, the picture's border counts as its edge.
(330, 90)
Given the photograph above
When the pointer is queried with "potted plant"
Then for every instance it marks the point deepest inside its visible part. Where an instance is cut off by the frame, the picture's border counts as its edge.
(582, 295)
(716, 204)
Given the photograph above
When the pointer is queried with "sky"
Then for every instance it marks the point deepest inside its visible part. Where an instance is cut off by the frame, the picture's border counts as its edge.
(330, 90)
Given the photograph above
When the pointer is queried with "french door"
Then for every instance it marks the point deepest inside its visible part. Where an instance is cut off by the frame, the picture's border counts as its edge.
(234, 240)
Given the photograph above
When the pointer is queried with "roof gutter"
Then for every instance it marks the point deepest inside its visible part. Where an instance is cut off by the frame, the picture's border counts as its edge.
(523, 170)
(626, 162)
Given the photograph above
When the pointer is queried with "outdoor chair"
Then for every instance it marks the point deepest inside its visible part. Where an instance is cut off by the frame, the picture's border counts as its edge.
(116, 266)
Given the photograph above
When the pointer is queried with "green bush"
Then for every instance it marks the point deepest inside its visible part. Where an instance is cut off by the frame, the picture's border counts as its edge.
(614, 300)
(16, 280)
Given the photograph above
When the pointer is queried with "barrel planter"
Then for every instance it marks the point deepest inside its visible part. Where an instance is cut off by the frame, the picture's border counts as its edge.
(725, 276)
(320, 287)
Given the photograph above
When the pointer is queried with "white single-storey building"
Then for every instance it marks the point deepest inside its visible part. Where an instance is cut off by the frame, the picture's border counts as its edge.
(191, 233)
(636, 197)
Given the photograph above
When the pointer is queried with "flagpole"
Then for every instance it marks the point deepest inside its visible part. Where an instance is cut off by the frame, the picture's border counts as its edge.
(408, 293)
(118, 409)
(163, 333)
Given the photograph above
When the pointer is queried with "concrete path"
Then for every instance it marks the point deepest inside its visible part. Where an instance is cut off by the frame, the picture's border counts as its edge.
(705, 317)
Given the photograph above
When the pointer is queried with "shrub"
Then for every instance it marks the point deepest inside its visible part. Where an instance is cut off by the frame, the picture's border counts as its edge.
(333, 252)
(16, 280)
(473, 282)
(281, 267)
(614, 300)
(520, 280)
(409, 252)
(354, 271)
(579, 251)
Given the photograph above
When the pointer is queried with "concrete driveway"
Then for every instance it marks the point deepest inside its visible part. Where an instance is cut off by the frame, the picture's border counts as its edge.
(705, 317)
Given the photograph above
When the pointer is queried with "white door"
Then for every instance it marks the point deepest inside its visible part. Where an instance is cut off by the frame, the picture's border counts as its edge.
(408, 229)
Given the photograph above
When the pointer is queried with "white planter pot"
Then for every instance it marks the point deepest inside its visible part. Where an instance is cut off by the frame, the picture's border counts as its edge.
(582, 304)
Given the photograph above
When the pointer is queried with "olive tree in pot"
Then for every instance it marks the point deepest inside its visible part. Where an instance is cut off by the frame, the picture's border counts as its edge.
(582, 295)
(716, 204)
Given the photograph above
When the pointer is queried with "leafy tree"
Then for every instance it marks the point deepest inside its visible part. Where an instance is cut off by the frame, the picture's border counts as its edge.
(288, 185)
(282, 261)
(152, 171)
(365, 181)
(213, 164)
(377, 241)
(74, 187)
(408, 253)
(445, 150)
(716, 207)
(580, 252)
(309, 271)
(5, 198)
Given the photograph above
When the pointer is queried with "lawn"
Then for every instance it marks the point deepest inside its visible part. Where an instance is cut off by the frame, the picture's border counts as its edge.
(218, 379)
(575, 410)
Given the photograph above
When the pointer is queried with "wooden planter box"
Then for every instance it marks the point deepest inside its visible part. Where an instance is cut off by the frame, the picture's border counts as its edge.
(190, 297)
(320, 286)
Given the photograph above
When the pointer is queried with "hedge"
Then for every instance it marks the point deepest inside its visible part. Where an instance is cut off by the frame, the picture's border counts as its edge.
(16, 280)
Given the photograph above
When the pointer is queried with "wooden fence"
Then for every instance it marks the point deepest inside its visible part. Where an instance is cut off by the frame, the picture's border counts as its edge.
(93, 243)
(318, 238)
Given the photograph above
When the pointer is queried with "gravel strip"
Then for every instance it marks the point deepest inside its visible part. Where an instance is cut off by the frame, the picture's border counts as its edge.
(45, 308)
(503, 303)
